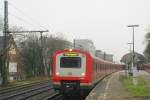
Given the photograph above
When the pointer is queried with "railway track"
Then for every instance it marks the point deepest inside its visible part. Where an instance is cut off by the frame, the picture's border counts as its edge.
(55, 96)
(34, 91)
(17, 87)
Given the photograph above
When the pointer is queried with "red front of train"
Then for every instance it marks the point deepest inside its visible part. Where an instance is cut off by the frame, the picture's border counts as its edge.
(76, 71)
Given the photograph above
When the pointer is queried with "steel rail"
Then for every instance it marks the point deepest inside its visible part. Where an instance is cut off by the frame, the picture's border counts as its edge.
(14, 88)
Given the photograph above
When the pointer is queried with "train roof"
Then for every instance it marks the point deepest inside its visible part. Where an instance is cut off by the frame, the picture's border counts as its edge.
(85, 52)
(81, 51)
(71, 50)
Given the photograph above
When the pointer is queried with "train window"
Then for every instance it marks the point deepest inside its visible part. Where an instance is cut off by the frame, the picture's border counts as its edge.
(70, 62)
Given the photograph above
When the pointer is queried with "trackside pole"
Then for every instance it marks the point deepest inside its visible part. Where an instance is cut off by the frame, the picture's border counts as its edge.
(135, 74)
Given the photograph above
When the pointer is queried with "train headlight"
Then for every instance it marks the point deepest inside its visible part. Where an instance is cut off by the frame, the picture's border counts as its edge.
(70, 50)
(57, 73)
(83, 74)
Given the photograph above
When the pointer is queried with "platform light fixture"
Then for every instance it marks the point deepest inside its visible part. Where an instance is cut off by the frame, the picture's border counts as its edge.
(133, 53)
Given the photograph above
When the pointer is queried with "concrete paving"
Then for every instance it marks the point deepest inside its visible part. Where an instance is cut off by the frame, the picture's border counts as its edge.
(111, 88)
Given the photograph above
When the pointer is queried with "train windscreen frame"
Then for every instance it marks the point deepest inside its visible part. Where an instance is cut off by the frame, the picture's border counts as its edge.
(70, 62)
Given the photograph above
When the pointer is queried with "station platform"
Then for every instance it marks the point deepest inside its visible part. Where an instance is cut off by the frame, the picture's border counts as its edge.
(111, 88)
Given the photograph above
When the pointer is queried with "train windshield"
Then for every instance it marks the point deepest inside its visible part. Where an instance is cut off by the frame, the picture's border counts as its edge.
(70, 62)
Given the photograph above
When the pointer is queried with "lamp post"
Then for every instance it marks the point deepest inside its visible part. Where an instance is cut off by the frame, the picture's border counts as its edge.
(130, 46)
(129, 69)
(133, 68)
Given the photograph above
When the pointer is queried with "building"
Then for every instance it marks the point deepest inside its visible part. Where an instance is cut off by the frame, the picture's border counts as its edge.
(15, 66)
(109, 57)
(104, 55)
(127, 59)
(100, 54)
(85, 44)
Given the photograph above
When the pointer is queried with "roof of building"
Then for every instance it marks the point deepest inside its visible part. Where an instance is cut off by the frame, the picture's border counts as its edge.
(127, 58)
(2, 41)
(84, 40)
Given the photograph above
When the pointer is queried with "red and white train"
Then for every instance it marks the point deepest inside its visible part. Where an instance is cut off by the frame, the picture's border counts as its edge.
(77, 71)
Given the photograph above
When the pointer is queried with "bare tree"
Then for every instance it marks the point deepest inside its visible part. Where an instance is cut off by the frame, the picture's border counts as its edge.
(1, 24)
(37, 55)
(147, 49)
(55, 43)
(31, 56)
(3, 54)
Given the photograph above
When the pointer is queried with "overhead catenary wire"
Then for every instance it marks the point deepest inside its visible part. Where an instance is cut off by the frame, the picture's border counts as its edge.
(1, 8)
(21, 19)
(26, 16)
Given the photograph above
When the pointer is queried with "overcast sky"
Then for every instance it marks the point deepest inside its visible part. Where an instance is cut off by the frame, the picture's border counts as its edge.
(103, 21)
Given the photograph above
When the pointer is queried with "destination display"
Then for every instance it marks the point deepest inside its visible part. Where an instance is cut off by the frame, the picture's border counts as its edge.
(71, 54)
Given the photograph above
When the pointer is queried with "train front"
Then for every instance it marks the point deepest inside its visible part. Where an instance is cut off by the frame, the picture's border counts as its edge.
(70, 71)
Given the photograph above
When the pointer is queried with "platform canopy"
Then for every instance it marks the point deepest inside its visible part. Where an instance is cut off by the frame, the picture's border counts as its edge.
(127, 58)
